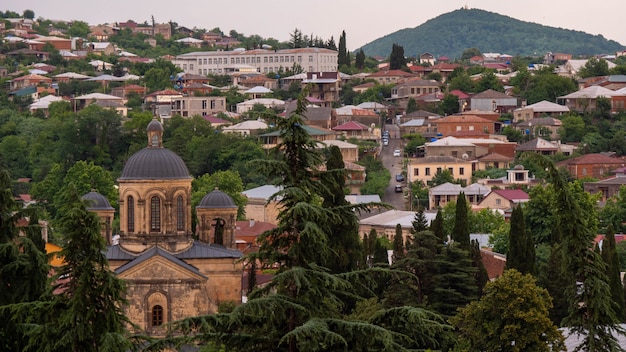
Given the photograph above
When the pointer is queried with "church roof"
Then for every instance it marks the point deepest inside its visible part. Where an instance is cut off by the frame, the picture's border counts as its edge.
(205, 250)
(96, 201)
(154, 164)
(157, 251)
(217, 199)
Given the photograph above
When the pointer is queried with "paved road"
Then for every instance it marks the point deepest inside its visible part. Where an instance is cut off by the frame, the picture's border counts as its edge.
(394, 165)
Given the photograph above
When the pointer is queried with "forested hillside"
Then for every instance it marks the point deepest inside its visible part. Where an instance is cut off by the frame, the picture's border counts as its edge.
(453, 32)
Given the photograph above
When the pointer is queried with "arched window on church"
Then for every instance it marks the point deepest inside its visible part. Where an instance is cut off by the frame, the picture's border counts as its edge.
(180, 214)
(157, 315)
(155, 214)
(130, 212)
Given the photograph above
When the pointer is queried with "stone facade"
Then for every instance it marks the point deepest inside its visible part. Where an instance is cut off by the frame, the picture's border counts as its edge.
(170, 275)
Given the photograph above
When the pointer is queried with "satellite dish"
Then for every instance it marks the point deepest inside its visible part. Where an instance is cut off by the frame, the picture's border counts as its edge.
(465, 156)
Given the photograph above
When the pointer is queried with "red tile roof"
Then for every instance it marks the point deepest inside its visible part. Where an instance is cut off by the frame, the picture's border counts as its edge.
(512, 194)
(593, 159)
(351, 126)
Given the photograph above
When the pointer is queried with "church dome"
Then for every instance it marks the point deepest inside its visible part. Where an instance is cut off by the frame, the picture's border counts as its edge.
(154, 164)
(96, 201)
(217, 199)
(154, 125)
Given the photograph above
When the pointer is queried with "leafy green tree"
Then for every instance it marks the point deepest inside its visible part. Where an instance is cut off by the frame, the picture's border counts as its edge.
(512, 315)
(442, 176)
(79, 29)
(489, 80)
(588, 293)
(411, 106)
(521, 254)
(594, 67)
(609, 255)
(470, 53)
(485, 221)
(614, 212)
(30, 14)
(461, 233)
(450, 104)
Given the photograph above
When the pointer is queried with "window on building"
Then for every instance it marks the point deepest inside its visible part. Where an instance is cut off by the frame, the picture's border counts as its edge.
(438, 170)
(237, 60)
(416, 172)
(184, 67)
(157, 315)
(180, 214)
(471, 128)
(204, 104)
(130, 214)
(299, 58)
(265, 59)
(190, 67)
(451, 171)
(210, 61)
(199, 61)
(498, 201)
(271, 59)
(200, 71)
(212, 104)
(310, 58)
(427, 171)
(458, 128)
(155, 214)
(461, 171)
(204, 61)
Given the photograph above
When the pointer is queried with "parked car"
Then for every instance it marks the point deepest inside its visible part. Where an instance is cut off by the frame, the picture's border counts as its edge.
(398, 188)
(397, 152)
(385, 141)
(399, 177)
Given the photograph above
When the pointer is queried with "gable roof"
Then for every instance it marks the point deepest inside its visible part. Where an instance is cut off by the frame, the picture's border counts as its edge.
(351, 126)
(449, 141)
(591, 92)
(546, 106)
(592, 159)
(537, 144)
(513, 195)
(156, 251)
(491, 94)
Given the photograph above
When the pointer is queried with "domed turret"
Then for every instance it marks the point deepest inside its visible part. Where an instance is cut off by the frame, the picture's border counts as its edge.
(217, 199)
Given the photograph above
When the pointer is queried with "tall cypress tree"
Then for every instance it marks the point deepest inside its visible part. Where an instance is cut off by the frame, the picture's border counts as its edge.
(359, 60)
(481, 275)
(611, 259)
(343, 239)
(398, 244)
(343, 57)
(397, 59)
(436, 227)
(461, 233)
(521, 254)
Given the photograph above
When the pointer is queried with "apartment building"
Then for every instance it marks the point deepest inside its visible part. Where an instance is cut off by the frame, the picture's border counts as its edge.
(256, 60)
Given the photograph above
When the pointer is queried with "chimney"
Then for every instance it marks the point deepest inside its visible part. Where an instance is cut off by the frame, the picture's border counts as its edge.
(251, 223)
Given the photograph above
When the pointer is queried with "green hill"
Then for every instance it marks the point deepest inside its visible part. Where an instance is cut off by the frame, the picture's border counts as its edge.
(451, 33)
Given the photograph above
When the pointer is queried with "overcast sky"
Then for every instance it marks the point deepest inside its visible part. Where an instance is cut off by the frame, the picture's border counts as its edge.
(363, 21)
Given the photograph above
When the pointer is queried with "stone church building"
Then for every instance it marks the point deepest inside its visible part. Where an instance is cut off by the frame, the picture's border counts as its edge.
(170, 274)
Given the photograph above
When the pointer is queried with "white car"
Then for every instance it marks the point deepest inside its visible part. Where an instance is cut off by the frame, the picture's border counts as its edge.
(397, 152)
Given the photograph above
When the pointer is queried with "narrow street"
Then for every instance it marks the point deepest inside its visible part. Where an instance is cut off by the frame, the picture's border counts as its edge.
(394, 165)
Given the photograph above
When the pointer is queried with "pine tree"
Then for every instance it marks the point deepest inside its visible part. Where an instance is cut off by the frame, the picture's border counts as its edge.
(611, 259)
(23, 264)
(85, 313)
(420, 223)
(521, 255)
(460, 234)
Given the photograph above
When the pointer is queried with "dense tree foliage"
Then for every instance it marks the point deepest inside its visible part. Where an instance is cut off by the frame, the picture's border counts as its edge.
(512, 315)
(451, 33)
(521, 254)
